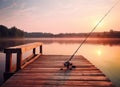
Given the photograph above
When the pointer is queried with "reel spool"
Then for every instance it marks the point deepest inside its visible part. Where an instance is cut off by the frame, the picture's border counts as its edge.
(68, 65)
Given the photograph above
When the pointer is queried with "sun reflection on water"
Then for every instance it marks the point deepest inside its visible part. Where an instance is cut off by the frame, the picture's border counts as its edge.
(99, 52)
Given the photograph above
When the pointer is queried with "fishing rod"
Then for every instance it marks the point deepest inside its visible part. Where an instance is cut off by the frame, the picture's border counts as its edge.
(68, 64)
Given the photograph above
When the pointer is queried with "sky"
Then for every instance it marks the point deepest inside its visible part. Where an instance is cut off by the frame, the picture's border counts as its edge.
(59, 16)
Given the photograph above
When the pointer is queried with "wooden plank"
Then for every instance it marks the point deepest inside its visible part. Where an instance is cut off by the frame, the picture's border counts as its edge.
(60, 74)
(30, 61)
(60, 57)
(45, 85)
(58, 70)
(59, 83)
(59, 62)
(55, 71)
(26, 47)
(45, 72)
(59, 65)
(63, 78)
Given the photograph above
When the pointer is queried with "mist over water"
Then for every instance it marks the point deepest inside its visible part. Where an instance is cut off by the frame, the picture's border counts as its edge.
(103, 53)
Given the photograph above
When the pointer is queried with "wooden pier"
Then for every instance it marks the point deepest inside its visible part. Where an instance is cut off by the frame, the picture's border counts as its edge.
(44, 71)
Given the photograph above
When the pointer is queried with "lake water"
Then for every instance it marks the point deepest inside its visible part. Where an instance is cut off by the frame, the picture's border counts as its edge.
(103, 53)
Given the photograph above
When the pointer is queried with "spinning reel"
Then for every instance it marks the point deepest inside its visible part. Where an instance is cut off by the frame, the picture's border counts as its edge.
(68, 65)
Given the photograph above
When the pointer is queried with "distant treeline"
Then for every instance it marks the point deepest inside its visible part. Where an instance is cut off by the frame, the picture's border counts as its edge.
(14, 32)
(110, 34)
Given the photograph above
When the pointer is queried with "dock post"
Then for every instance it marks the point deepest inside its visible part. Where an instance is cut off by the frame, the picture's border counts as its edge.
(34, 51)
(8, 66)
(19, 60)
(41, 49)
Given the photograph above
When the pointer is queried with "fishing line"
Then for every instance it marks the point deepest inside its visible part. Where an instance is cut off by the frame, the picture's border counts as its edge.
(92, 31)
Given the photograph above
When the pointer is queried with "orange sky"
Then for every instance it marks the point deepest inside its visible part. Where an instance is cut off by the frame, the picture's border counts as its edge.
(59, 16)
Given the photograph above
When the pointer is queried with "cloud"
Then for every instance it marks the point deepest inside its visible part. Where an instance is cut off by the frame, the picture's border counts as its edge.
(10, 7)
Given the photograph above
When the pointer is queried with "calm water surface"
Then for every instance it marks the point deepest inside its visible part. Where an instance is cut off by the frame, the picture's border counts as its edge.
(103, 53)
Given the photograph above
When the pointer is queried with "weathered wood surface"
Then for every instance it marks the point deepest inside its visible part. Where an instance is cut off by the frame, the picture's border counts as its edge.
(23, 48)
(45, 72)
(19, 50)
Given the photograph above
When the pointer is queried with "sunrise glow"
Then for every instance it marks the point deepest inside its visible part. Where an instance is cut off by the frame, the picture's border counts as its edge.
(101, 25)
(59, 16)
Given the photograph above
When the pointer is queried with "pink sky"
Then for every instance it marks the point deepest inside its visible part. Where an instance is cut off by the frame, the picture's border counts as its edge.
(59, 16)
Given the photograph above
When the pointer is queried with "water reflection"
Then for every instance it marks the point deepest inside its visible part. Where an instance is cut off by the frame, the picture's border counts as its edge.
(2, 66)
(13, 42)
(99, 52)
